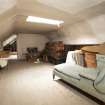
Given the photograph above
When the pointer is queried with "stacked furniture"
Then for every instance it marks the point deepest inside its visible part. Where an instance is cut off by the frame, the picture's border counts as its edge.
(90, 80)
(55, 52)
(32, 54)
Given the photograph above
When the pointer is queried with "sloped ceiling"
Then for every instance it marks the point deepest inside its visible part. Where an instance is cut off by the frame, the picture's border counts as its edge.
(13, 14)
(7, 17)
(71, 6)
(5, 5)
(34, 8)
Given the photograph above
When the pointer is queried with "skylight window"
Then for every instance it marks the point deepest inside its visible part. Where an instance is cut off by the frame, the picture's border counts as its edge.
(43, 20)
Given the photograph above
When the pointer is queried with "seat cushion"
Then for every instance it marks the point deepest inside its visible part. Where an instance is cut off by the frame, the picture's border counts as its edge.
(89, 73)
(69, 70)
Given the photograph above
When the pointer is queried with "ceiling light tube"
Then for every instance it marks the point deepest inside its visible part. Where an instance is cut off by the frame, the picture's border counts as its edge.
(34, 19)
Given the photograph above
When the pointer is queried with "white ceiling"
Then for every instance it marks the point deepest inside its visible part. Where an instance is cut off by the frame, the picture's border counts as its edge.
(7, 17)
(5, 5)
(13, 13)
(71, 6)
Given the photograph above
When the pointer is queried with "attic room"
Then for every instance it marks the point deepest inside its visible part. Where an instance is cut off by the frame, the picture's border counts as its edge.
(52, 52)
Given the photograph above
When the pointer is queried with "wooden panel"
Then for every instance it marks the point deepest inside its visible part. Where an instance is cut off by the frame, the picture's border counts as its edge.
(90, 59)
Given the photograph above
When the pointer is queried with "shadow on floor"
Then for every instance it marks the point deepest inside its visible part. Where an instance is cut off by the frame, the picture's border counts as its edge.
(80, 91)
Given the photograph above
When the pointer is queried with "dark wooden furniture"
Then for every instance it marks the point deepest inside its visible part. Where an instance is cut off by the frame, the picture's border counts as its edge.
(32, 54)
(55, 52)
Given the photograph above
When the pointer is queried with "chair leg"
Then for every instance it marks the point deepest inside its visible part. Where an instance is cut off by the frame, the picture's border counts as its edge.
(53, 76)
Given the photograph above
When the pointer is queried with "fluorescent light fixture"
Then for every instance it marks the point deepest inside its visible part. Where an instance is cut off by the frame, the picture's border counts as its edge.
(43, 20)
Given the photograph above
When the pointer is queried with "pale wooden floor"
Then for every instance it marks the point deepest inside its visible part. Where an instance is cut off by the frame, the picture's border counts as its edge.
(31, 84)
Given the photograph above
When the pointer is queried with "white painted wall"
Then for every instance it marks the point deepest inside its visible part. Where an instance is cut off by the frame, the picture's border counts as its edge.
(91, 31)
(98, 26)
(30, 40)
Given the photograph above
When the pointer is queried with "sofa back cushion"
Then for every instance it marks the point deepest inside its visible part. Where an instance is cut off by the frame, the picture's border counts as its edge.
(100, 61)
(100, 81)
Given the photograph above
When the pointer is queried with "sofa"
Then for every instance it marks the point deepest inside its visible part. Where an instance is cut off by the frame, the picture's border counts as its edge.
(90, 80)
(3, 63)
(4, 55)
